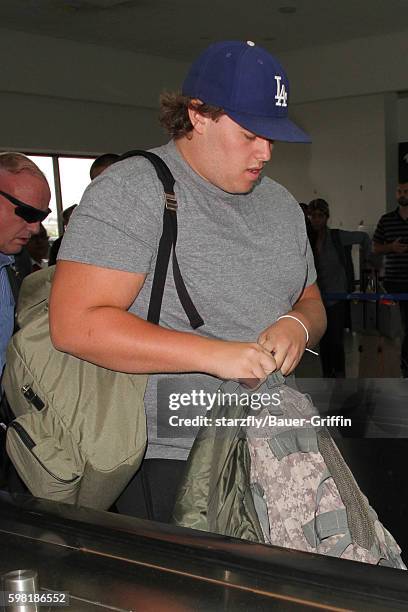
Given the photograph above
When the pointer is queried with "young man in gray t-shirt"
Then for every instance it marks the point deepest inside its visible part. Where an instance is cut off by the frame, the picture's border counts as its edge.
(242, 245)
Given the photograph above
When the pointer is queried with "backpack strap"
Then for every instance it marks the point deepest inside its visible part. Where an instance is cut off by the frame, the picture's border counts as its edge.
(326, 525)
(167, 244)
(299, 440)
(261, 507)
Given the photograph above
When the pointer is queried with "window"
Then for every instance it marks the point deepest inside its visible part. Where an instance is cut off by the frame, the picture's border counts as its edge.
(74, 175)
(45, 164)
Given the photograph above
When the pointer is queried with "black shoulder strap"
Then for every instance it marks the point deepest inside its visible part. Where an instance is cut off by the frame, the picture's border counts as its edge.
(167, 242)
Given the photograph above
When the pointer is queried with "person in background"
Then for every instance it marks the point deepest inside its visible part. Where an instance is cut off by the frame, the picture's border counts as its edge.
(24, 201)
(38, 248)
(309, 229)
(335, 274)
(391, 239)
(66, 215)
(101, 163)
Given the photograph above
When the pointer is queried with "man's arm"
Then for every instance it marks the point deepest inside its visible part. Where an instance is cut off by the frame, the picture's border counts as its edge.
(286, 338)
(89, 318)
(380, 244)
(362, 238)
(357, 237)
(389, 247)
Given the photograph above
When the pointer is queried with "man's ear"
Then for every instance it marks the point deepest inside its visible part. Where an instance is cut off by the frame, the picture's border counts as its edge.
(198, 121)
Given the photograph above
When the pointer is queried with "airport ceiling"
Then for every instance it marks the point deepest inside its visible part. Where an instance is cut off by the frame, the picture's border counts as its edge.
(179, 29)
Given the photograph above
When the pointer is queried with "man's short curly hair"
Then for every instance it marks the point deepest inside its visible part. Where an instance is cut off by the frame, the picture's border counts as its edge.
(174, 113)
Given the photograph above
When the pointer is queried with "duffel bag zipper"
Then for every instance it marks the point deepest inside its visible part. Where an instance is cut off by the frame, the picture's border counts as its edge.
(30, 444)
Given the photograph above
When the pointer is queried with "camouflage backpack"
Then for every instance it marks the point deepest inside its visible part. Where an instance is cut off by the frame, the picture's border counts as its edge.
(280, 479)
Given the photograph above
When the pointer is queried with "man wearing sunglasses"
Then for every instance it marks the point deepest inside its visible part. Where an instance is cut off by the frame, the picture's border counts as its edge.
(24, 200)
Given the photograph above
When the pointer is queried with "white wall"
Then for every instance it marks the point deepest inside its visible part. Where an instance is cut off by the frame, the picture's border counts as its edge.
(345, 96)
(346, 162)
(59, 95)
(357, 67)
(62, 68)
(43, 124)
(403, 119)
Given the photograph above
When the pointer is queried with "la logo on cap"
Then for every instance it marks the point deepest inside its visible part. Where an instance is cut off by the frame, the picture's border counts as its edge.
(281, 93)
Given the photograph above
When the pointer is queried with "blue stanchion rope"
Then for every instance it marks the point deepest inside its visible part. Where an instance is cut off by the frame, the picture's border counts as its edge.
(366, 297)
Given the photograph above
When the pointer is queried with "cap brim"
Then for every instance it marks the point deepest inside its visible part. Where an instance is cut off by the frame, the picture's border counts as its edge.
(274, 128)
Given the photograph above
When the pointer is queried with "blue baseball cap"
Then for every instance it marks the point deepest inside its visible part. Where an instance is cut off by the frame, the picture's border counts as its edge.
(249, 84)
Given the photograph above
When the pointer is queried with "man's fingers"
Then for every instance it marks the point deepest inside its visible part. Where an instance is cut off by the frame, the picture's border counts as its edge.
(279, 354)
(287, 366)
(286, 351)
(290, 362)
(268, 345)
(279, 357)
(267, 363)
(287, 361)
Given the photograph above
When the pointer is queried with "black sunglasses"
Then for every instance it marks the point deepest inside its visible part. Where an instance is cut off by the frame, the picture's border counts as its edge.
(30, 214)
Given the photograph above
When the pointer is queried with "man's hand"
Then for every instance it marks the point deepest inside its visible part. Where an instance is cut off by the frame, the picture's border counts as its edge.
(286, 338)
(246, 362)
(286, 341)
(398, 247)
(390, 247)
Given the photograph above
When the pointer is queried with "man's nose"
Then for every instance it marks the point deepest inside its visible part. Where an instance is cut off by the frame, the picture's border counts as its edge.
(34, 228)
(264, 150)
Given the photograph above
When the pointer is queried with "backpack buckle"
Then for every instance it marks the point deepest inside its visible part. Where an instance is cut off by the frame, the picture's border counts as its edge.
(170, 201)
(32, 397)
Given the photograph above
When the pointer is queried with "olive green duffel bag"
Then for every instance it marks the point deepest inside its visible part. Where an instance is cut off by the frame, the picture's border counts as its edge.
(80, 430)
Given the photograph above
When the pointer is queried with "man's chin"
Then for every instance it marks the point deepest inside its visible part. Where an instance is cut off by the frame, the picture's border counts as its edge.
(243, 189)
(14, 249)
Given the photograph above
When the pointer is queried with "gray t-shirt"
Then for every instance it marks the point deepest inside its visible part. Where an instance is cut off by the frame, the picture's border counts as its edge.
(245, 258)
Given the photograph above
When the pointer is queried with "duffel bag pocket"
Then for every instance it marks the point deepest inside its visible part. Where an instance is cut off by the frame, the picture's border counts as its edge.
(45, 457)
